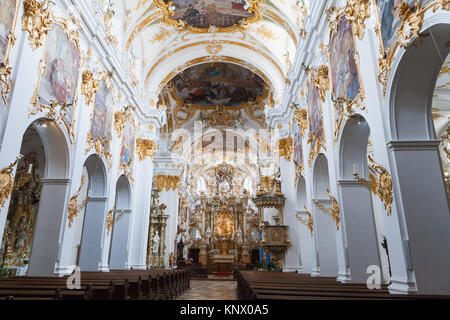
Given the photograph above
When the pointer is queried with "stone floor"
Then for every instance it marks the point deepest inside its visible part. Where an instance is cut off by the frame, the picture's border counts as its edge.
(210, 290)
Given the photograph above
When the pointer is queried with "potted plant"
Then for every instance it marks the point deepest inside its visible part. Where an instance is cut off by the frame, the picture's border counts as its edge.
(260, 266)
(4, 273)
(272, 266)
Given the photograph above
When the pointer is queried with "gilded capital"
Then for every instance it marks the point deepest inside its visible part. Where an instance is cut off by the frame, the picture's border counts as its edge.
(146, 148)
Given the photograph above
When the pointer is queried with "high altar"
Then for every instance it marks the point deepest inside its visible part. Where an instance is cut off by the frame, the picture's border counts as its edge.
(223, 225)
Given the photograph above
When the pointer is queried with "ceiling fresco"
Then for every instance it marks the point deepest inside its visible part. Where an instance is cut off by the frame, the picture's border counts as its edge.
(214, 84)
(202, 14)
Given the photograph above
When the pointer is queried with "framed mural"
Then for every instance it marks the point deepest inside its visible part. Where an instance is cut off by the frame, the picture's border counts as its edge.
(316, 138)
(100, 132)
(347, 88)
(8, 19)
(127, 147)
(211, 84)
(298, 149)
(59, 75)
(202, 15)
(398, 24)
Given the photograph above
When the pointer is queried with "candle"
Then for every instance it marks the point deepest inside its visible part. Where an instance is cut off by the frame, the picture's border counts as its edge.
(355, 169)
(30, 167)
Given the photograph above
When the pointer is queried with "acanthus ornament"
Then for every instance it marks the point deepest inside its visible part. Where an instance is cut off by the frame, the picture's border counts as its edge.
(120, 117)
(166, 182)
(322, 81)
(286, 148)
(301, 116)
(309, 223)
(5, 80)
(145, 148)
(37, 20)
(89, 86)
(379, 183)
(357, 11)
(333, 212)
(7, 182)
(110, 220)
(412, 20)
(73, 207)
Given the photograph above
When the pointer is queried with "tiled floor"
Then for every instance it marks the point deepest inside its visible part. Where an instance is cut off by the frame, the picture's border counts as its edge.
(210, 290)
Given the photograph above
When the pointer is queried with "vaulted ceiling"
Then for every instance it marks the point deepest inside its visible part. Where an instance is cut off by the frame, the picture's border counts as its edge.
(160, 39)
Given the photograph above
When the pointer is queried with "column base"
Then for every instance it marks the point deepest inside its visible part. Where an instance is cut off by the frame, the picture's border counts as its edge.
(315, 272)
(297, 269)
(402, 286)
(64, 271)
(138, 266)
(343, 277)
(103, 269)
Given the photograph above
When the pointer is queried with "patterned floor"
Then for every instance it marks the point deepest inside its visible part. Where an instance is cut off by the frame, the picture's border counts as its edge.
(210, 290)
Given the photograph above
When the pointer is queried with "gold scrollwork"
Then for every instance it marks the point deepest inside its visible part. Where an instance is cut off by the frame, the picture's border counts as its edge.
(322, 81)
(5, 80)
(412, 20)
(145, 148)
(89, 86)
(166, 182)
(37, 20)
(357, 11)
(120, 118)
(73, 207)
(333, 212)
(286, 148)
(379, 183)
(307, 222)
(110, 219)
(301, 116)
(5, 68)
(6, 182)
(407, 32)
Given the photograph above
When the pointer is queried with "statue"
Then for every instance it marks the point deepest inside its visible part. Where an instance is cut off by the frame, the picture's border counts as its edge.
(239, 236)
(171, 260)
(155, 246)
(208, 234)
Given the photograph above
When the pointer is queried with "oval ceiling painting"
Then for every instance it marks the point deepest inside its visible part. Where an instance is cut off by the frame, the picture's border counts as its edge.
(214, 84)
(202, 14)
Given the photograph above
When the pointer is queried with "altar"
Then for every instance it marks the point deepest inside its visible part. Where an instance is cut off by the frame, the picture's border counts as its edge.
(222, 263)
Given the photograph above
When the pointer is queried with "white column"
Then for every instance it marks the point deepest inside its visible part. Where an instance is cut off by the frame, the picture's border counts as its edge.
(357, 215)
(292, 257)
(170, 199)
(44, 252)
(143, 178)
(422, 205)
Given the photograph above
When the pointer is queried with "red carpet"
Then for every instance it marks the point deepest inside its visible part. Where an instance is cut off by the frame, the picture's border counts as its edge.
(222, 274)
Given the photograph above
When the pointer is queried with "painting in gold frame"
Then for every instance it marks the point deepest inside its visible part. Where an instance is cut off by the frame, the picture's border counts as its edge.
(100, 131)
(201, 16)
(316, 136)
(59, 76)
(389, 27)
(347, 87)
(127, 146)
(298, 148)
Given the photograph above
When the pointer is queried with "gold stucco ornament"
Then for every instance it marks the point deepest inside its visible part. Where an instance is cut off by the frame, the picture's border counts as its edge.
(6, 182)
